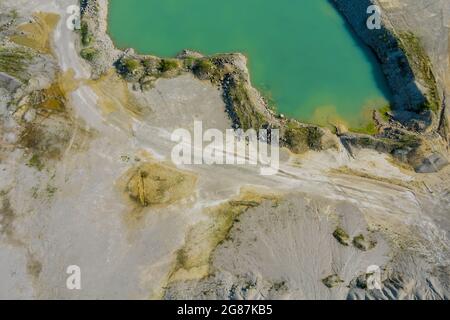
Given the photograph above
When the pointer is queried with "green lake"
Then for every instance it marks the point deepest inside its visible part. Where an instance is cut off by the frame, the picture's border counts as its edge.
(301, 54)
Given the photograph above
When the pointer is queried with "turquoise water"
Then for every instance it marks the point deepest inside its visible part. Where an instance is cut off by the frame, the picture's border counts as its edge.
(301, 53)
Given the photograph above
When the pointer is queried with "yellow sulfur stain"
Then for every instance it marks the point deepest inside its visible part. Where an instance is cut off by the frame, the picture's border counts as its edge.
(37, 34)
(155, 184)
(152, 185)
(114, 95)
(327, 116)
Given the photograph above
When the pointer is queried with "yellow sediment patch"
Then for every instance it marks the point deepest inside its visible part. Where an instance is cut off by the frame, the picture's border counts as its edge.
(37, 33)
(327, 116)
(67, 81)
(193, 259)
(393, 181)
(54, 98)
(155, 185)
(51, 131)
(113, 94)
(390, 4)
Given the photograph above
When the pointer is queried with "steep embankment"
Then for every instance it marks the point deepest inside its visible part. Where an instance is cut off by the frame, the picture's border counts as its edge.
(418, 122)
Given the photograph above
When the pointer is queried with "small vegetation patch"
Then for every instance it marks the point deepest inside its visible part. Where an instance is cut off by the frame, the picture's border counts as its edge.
(14, 60)
(370, 128)
(35, 162)
(89, 54)
(36, 34)
(34, 267)
(362, 243)
(131, 65)
(130, 68)
(168, 65)
(203, 68)
(421, 63)
(44, 142)
(86, 35)
(299, 138)
(385, 112)
(158, 184)
(51, 191)
(240, 103)
(341, 236)
(47, 135)
(7, 218)
(151, 65)
(406, 140)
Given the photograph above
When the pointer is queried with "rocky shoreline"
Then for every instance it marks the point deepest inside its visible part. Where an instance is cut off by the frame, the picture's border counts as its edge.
(419, 106)
(84, 164)
(413, 132)
(414, 100)
(246, 107)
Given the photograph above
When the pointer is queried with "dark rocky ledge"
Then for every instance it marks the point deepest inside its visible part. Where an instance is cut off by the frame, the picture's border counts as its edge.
(416, 131)
(406, 66)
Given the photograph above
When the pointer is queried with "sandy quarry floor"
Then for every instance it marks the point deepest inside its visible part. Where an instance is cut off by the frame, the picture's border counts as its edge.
(125, 251)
